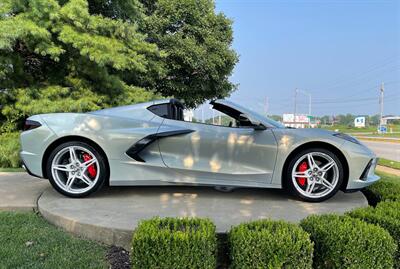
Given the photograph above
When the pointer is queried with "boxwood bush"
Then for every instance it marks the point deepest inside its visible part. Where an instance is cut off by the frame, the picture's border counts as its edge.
(174, 243)
(383, 190)
(270, 244)
(386, 215)
(9, 150)
(345, 242)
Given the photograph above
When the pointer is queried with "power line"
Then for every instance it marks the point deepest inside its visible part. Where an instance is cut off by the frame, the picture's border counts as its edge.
(360, 74)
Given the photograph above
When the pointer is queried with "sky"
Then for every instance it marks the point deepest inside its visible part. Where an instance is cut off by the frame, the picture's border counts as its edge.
(339, 52)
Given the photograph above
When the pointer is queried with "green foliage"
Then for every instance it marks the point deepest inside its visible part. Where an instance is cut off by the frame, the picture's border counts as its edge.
(62, 58)
(96, 53)
(270, 244)
(386, 189)
(386, 215)
(389, 163)
(174, 243)
(9, 150)
(345, 242)
(28, 241)
(197, 43)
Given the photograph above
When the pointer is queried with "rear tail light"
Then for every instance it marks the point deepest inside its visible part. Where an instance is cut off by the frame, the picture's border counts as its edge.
(31, 124)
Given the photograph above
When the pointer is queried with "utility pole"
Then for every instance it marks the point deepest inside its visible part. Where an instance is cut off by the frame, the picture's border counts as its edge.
(266, 106)
(202, 113)
(295, 105)
(381, 101)
(309, 110)
(309, 102)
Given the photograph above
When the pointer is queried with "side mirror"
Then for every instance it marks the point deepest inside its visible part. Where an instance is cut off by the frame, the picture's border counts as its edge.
(244, 118)
(258, 125)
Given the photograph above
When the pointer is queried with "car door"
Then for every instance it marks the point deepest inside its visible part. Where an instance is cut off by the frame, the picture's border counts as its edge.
(217, 154)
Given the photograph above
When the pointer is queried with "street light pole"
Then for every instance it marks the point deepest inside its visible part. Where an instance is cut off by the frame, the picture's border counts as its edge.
(309, 102)
(381, 102)
(295, 105)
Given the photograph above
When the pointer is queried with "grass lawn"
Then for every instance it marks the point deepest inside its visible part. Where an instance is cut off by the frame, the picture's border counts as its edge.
(349, 129)
(12, 169)
(28, 241)
(376, 135)
(367, 131)
(389, 163)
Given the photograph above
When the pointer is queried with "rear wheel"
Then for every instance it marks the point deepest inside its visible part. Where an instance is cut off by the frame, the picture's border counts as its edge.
(314, 175)
(76, 169)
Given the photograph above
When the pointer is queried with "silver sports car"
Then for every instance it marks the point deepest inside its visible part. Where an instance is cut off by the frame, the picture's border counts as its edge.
(152, 144)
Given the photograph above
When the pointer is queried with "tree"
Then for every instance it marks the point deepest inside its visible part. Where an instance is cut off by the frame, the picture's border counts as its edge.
(197, 42)
(79, 55)
(61, 58)
(347, 119)
(276, 117)
(374, 119)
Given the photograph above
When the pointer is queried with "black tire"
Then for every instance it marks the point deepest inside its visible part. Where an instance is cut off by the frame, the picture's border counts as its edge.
(104, 170)
(288, 183)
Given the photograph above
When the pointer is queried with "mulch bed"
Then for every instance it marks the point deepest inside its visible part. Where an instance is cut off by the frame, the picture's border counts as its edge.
(118, 258)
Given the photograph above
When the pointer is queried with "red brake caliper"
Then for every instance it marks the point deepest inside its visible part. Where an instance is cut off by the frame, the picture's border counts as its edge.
(91, 169)
(301, 168)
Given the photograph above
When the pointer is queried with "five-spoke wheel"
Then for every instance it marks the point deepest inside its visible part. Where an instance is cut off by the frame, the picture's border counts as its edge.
(76, 169)
(314, 174)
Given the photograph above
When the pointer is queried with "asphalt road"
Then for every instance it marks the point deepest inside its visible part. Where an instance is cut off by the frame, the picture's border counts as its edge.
(385, 150)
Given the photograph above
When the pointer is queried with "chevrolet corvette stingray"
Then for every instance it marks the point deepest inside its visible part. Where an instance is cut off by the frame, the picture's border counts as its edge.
(152, 144)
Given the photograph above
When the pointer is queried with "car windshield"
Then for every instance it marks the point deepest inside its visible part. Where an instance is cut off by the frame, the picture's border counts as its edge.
(269, 120)
(260, 117)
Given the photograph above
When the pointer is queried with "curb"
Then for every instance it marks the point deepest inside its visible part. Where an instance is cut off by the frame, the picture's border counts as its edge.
(117, 237)
(388, 170)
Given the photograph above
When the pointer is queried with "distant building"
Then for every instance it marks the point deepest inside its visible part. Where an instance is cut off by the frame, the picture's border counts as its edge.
(298, 121)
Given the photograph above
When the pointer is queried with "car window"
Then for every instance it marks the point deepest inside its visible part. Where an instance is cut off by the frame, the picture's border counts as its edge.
(161, 110)
(205, 114)
(168, 110)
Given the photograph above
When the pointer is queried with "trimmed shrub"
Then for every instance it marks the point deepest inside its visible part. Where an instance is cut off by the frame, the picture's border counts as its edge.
(345, 242)
(9, 150)
(174, 243)
(386, 215)
(384, 190)
(270, 244)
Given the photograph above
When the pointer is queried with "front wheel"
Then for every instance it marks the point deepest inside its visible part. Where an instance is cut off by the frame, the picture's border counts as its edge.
(76, 169)
(314, 175)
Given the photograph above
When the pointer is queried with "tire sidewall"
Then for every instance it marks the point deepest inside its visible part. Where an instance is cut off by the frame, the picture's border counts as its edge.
(289, 181)
(101, 162)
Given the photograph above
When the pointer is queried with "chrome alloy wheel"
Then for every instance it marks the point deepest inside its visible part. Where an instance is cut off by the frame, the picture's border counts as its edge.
(75, 169)
(315, 174)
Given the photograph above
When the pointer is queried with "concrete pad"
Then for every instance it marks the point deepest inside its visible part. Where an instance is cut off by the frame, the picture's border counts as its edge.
(20, 191)
(112, 214)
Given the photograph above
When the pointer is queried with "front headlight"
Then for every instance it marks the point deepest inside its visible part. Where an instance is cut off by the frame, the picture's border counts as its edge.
(347, 137)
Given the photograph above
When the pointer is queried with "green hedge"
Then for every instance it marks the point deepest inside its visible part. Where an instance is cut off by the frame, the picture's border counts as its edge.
(174, 243)
(384, 190)
(9, 150)
(386, 215)
(345, 242)
(270, 244)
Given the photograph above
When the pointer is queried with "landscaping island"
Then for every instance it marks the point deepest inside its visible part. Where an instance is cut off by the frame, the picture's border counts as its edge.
(27, 240)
